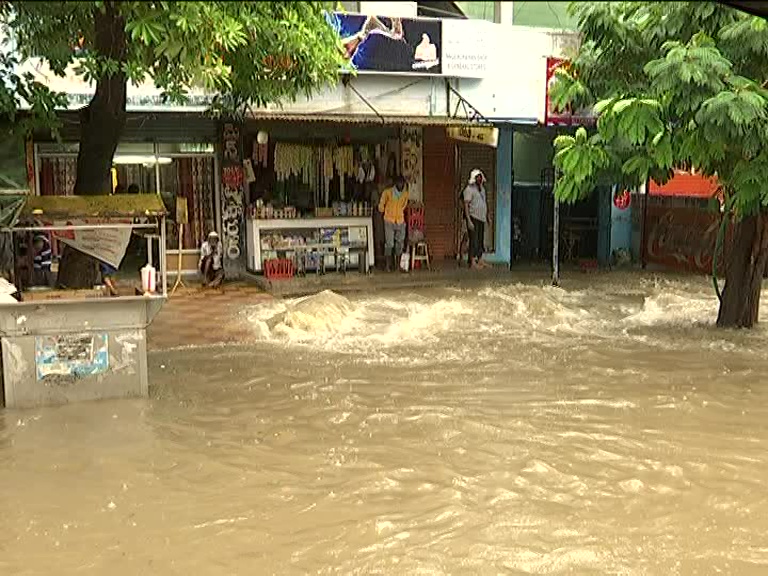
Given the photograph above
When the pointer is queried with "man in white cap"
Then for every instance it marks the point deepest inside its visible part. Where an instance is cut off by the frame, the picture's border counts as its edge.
(476, 213)
(210, 261)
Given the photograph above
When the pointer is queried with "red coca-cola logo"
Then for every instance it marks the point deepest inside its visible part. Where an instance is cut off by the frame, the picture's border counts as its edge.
(622, 199)
(685, 242)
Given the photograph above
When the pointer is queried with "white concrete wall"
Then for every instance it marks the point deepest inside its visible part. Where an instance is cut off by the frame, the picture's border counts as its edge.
(389, 95)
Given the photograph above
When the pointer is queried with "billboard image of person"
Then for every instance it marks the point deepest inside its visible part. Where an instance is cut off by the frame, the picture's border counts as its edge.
(381, 44)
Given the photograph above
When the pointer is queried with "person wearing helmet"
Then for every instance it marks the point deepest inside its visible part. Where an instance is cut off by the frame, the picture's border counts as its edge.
(211, 261)
(476, 213)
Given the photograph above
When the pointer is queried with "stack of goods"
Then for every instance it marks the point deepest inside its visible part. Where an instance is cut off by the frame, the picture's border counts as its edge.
(335, 160)
(334, 236)
(355, 209)
(295, 160)
(282, 241)
(260, 154)
(263, 211)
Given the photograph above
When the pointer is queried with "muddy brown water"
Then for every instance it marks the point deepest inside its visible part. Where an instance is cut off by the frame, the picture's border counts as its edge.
(605, 428)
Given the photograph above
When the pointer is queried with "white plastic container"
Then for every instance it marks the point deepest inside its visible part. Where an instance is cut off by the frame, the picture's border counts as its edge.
(148, 279)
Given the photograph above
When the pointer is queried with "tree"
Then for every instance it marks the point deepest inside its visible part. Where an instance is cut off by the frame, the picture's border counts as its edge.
(676, 85)
(242, 52)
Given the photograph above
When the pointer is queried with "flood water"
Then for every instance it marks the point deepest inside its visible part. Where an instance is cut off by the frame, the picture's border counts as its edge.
(604, 428)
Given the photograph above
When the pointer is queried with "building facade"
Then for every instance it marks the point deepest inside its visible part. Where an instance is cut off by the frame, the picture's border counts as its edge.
(462, 76)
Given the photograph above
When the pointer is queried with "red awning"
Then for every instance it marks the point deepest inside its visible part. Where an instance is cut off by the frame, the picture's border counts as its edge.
(687, 185)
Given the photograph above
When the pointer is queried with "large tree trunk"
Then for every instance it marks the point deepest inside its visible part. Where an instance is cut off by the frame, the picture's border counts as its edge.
(101, 125)
(745, 267)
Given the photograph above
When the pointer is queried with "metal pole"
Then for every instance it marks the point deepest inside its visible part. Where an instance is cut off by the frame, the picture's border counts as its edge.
(163, 259)
(556, 244)
(78, 227)
(512, 216)
(643, 231)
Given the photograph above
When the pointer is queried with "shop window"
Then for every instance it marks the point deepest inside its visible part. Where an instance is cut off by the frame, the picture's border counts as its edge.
(191, 178)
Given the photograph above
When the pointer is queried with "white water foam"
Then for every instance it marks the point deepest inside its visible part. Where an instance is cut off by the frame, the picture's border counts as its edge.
(454, 324)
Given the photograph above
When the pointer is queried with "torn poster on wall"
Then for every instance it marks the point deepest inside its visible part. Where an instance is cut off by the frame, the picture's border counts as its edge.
(71, 355)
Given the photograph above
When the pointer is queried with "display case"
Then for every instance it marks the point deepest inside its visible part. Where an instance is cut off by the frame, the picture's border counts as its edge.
(323, 237)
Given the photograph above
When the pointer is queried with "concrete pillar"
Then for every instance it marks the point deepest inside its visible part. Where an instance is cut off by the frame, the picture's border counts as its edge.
(505, 12)
(503, 224)
(232, 198)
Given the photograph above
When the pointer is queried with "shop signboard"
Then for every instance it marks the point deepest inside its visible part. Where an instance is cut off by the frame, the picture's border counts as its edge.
(567, 117)
(688, 184)
(468, 46)
(105, 244)
(414, 46)
(483, 135)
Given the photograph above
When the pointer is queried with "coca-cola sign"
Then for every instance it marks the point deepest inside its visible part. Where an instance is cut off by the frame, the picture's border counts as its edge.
(681, 238)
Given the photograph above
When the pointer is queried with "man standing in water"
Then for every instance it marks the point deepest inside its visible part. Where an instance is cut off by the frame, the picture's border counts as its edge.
(476, 213)
(210, 261)
(392, 204)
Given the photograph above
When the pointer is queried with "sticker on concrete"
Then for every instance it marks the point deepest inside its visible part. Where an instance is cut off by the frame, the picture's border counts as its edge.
(71, 355)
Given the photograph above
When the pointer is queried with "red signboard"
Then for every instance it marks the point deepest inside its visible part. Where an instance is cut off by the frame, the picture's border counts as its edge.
(682, 238)
(567, 117)
(686, 184)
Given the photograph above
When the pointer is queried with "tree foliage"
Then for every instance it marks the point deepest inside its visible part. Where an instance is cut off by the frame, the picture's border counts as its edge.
(673, 85)
(242, 52)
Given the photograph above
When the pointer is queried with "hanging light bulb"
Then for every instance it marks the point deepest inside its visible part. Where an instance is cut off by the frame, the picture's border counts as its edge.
(262, 137)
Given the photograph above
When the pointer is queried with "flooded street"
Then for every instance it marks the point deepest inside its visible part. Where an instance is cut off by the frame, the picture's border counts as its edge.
(604, 428)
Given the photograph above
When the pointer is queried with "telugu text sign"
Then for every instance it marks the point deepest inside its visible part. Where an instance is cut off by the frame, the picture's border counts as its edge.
(483, 135)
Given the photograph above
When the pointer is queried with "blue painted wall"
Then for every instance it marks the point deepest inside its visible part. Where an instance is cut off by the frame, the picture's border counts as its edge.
(503, 224)
(621, 228)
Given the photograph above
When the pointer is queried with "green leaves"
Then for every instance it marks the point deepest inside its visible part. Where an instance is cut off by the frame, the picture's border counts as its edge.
(631, 119)
(580, 159)
(244, 52)
(678, 85)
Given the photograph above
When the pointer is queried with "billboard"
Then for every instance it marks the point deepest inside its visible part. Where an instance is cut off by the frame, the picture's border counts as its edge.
(389, 45)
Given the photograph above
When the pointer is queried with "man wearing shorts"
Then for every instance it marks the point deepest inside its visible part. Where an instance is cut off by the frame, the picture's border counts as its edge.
(211, 261)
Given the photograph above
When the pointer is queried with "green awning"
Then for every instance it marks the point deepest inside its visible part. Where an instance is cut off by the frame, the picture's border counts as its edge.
(113, 206)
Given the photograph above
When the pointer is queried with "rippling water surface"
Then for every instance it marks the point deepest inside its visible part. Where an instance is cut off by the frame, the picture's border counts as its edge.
(606, 428)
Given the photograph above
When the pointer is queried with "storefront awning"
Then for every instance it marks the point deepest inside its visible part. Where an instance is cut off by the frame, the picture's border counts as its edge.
(361, 119)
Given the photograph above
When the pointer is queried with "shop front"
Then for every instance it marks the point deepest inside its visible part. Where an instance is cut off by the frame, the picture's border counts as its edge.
(166, 154)
(312, 190)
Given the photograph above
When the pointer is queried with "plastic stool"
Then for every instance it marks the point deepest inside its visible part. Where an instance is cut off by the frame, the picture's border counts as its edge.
(420, 253)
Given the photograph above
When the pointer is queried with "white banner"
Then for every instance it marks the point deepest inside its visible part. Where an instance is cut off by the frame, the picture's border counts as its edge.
(468, 48)
(105, 244)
